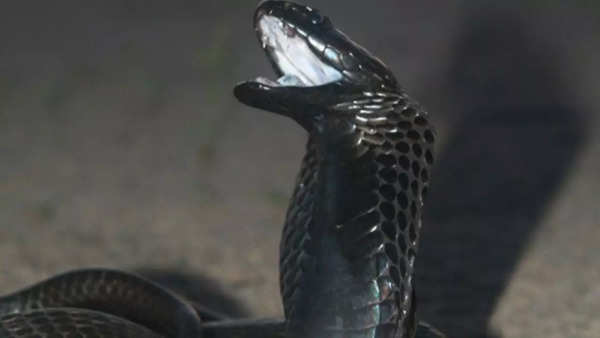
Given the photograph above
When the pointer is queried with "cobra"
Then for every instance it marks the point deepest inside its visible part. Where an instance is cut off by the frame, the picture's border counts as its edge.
(351, 232)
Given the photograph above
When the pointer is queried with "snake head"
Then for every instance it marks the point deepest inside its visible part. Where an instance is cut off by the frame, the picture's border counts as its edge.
(316, 64)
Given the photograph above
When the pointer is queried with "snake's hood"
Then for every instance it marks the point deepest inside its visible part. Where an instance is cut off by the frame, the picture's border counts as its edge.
(316, 64)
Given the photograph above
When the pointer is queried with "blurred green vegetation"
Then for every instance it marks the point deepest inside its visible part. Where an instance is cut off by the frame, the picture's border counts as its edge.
(216, 62)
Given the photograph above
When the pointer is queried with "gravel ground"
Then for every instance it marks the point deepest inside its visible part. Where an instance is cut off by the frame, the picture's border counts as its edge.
(122, 146)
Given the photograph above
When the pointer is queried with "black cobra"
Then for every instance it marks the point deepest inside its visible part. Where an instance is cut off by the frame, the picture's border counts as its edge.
(351, 232)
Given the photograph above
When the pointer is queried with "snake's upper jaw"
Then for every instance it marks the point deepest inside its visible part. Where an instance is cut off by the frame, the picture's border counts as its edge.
(302, 71)
(292, 50)
(314, 63)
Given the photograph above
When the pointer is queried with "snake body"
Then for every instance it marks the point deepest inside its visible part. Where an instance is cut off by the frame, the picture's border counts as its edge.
(98, 292)
(352, 227)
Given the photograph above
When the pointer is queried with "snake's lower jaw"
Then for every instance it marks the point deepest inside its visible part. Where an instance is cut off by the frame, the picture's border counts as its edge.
(262, 96)
(288, 101)
(251, 93)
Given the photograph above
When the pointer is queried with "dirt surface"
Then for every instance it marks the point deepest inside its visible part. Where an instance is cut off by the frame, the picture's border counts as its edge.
(122, 146)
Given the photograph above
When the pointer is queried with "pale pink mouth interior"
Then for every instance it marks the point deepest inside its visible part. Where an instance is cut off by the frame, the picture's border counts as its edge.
(292, 54)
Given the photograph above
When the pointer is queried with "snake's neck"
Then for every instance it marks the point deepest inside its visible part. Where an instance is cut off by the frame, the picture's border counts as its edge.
(346, 178)
(351, 232)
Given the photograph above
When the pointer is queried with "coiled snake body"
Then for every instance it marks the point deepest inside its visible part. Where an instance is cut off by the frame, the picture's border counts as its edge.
(350, 237)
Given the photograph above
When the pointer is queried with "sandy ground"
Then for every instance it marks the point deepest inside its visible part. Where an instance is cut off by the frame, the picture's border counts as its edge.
(122, 146)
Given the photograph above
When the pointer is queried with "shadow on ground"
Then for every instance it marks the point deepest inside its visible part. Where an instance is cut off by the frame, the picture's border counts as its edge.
(513, 142)
(199, 290)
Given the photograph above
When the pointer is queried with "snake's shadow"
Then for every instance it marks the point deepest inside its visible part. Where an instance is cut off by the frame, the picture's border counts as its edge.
(198, 289)
(511, 146)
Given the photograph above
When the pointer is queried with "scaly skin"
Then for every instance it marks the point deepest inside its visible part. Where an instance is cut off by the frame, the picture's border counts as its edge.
(120, 294)
(68, 322)
(351, 232)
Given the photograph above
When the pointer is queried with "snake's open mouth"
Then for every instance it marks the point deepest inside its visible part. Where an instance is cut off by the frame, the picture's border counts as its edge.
(292, 52)
(314, 61)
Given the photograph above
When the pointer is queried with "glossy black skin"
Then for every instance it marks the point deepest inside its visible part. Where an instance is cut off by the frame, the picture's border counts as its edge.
(358, 65)
(96, 293)
(70, 322)
(360, 69)
(368, 155)
(351, 232)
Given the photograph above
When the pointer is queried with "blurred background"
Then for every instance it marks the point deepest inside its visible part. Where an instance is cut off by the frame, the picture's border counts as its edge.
(122, 146)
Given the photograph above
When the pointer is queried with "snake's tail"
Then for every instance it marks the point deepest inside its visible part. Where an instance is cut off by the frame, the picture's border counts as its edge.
(113, 292)
(69, 322)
